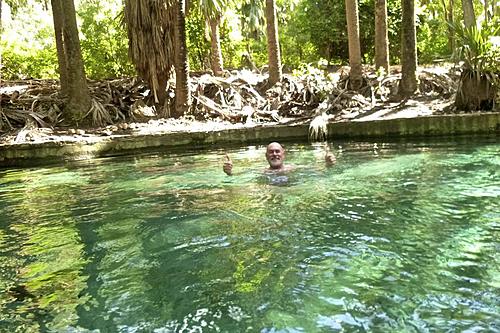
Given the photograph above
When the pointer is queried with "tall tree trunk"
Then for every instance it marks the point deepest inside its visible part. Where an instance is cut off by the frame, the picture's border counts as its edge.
(355, 74)
(1, 29)
(78, 93)
(273, 47)
(450, 19)
(151, 33)
(486, 12)
(216, 56)
(182, 95)
(408, 84)
(62, 60)
(469, 16)
(381, 39)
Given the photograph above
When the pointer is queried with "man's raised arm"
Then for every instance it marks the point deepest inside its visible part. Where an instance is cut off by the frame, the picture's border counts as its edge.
(228, 166)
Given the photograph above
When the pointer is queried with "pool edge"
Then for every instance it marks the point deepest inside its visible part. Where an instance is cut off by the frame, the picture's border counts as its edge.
(24, 154)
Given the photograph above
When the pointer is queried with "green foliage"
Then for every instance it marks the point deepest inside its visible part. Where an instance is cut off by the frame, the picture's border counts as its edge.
(479, 47)
(252, 18)
(309, 30)
(197, 42)
(104, 42)
(15, 5)
(432, 41)
(232, 50)
(394, 14)
(22, 62)
(27, 45)
(318, 30)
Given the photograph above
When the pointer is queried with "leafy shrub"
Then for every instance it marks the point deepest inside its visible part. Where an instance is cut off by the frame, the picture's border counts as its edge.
(104, 41)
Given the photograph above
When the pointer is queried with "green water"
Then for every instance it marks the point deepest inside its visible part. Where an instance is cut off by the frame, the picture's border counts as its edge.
(403, 238)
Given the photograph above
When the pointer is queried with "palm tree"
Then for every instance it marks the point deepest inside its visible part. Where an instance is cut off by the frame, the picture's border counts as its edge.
(273, 47)
(486, 10)
(73, 80)
(252, 21)
(381, 40)
(182, 95)
(355, 74)
(150, 28)
(469, 16)
(449, 17)
(408, 84)
(57, 16)
(212, 10)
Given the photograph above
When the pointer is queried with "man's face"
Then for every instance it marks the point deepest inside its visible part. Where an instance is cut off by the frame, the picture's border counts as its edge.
(275, 155)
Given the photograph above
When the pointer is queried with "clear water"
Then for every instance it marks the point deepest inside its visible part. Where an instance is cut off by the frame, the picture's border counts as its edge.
(402, 238)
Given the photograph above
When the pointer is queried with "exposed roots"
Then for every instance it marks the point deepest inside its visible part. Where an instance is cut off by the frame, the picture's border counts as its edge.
(244, 96)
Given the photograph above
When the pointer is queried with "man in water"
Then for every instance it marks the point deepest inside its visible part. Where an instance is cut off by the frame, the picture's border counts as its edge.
(275, 156)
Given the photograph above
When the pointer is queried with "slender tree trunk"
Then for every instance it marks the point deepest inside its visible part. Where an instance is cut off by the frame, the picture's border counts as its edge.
(486, 13)
(408, 84)
(355, 74)
(78, 93)
(216, 56)
(451, 31)
(448, 17)
(469, 16)
(1, 64)
(273, 47)
(182, 95)
(381, 39)
(61, 54)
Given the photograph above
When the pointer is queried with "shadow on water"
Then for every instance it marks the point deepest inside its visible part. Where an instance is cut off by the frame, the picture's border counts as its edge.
(392, 238)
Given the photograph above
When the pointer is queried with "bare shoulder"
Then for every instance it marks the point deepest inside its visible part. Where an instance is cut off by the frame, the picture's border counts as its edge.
(283, 169)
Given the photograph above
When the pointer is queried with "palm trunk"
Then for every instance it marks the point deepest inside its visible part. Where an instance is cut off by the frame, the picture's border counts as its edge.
(486, 13)
(469, 16)
(408, 84)
(273, 48)
(451, 33)
(355, 74)
(78, 93)
(1, 30)
(216, 56)
(381, 39)
(182, 95)
(62, 60)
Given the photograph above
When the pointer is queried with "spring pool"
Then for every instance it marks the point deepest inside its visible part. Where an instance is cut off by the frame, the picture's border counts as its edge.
(401, 237)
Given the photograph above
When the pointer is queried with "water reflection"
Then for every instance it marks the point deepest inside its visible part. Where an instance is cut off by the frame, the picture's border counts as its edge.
(399, 241)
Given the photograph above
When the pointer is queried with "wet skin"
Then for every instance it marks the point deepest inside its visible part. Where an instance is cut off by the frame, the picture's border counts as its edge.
(275, 156)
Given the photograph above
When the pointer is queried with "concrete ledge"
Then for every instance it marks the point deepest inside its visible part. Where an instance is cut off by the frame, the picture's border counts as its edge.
(481, 123)
(46, 152)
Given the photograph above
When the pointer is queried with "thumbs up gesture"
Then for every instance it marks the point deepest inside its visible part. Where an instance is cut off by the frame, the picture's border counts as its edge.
(329, 157)
(228, 166)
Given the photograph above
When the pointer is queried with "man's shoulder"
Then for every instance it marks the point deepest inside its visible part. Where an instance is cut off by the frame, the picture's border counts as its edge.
(284, 168)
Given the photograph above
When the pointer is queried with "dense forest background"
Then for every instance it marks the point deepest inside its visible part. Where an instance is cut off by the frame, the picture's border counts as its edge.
(168, 43)
(311, 32)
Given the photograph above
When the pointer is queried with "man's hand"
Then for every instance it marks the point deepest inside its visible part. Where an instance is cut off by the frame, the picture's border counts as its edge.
(228, 166)
(329, 157)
